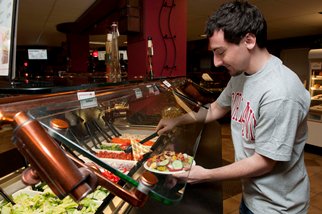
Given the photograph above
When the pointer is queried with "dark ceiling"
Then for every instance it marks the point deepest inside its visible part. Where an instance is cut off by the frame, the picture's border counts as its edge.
(38, 19)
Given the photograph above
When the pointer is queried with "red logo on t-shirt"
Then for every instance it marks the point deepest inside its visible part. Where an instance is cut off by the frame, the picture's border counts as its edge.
(244, 116)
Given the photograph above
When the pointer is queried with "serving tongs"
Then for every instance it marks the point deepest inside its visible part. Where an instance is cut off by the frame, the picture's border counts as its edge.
(153, 135)
(81, 142)
(101, 130)
(6, 196)
(111, 126)
(93, 137)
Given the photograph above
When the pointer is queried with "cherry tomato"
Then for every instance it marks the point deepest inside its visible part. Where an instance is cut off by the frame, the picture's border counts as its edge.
(110, 176)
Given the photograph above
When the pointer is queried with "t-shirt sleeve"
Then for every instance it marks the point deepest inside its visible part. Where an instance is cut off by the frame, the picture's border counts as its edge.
(224, 99)
(277, 128)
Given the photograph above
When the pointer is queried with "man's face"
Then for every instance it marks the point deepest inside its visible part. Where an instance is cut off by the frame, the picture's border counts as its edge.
(235, 58)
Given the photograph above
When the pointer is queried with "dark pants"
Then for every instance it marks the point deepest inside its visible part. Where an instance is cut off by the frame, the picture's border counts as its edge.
(243, 209)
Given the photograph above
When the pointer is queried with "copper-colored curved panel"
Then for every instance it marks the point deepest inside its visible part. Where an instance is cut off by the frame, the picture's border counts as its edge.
(49, 160)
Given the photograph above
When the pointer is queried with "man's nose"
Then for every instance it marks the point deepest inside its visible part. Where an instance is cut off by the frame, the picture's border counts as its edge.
(217, 61)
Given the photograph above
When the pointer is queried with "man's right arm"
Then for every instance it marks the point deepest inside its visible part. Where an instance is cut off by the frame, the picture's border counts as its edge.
(216, 112)
(203, 115)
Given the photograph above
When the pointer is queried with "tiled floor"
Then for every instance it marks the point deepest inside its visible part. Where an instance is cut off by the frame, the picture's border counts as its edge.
(314, 168)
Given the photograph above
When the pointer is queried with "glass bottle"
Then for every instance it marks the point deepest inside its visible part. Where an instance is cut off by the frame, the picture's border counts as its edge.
(108, 57)
(116, 68)
(150, 74)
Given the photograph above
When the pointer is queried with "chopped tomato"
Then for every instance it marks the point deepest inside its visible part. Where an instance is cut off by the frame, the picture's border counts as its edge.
(121, 141)
(115, 155)
(110, 176)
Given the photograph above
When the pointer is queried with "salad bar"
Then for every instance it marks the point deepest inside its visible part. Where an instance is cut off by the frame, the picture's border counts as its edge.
(91, 156)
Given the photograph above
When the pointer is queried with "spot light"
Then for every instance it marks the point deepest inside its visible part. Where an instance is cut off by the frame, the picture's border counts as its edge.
(95, 53)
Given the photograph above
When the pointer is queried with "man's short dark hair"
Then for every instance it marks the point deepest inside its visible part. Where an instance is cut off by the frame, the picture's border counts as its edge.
(236, 19)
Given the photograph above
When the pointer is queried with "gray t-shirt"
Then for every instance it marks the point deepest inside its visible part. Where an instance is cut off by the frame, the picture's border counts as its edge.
(268, 116)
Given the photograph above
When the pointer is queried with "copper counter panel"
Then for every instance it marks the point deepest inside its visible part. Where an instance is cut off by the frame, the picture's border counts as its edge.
(48, 160)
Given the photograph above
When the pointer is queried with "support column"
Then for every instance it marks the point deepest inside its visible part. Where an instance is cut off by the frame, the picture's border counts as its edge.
(78, 46)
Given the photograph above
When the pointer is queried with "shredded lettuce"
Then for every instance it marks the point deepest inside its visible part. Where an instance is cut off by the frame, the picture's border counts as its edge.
(48, 203)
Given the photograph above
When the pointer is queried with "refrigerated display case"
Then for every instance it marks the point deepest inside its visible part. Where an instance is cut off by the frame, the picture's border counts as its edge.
(315, 114)
(78, 142)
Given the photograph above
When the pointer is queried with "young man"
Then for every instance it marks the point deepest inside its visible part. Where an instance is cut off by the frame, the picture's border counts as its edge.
(269, 107)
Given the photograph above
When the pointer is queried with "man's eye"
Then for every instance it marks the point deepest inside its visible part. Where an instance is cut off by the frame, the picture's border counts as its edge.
(219, 52)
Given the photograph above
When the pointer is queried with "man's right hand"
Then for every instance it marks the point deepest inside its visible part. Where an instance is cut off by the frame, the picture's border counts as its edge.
(166, 125)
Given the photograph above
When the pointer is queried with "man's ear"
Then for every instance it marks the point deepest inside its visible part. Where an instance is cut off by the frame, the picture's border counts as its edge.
(250, 41)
